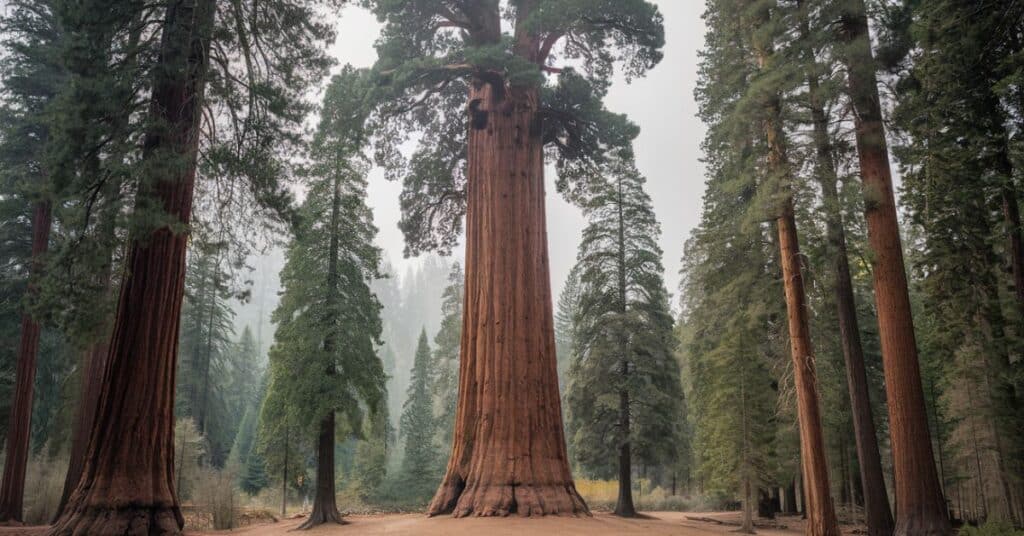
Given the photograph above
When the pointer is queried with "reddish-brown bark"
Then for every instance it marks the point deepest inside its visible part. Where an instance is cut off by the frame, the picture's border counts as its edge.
(821, 516)
(876, 499)
(127, 480)
(920, 506)
(508, 454)
(325, 508)
(12, 488)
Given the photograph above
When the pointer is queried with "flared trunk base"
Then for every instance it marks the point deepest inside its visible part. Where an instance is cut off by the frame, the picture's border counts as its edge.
(113, 521)
(322, 516)
(506, 500)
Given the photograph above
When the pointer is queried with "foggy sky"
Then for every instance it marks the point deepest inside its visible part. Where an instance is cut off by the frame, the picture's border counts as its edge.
(668, 150)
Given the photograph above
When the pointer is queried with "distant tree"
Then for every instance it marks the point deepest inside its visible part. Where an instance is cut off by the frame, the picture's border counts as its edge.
(33, 77)
(371, 457)
(565, 324)
(244, 453)
(624, 379)
(278, 442)
(445, 365)
(418, 426)
(205, 351)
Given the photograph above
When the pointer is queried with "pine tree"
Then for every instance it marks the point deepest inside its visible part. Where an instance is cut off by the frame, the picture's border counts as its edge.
(248, 387)
(324, 361)
(436, 60)
(565, 324)
(204, 363)
(624, 379)
(445, 366)
(278, 442)
(418, 427)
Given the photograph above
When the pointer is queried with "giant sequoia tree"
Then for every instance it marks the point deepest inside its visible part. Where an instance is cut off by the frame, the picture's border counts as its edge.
(624, 378)
(126, 482)
(472, 76)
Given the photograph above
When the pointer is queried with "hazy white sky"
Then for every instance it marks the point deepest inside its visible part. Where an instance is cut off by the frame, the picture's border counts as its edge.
(668, 149)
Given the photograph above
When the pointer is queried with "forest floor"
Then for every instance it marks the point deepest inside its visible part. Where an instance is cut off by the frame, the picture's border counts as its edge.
(601, 524)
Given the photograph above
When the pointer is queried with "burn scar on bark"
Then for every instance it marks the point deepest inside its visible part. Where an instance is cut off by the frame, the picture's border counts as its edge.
(478, 117)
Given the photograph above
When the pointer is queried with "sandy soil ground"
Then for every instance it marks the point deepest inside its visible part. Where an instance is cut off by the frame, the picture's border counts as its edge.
(601, 524)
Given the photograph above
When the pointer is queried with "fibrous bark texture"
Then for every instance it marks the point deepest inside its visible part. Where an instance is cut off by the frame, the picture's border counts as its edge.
(920, 506)
(126, 487)
(876, 499)
(821, 516)
(325, 508)
(12, 488)
(508, 454)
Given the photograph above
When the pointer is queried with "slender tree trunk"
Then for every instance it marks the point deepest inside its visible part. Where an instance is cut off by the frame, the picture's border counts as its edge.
(747, 526)
(791, 506)
(820, 512)
(920, 506)
(821, 516)
(624, 504)
(508, 453)
(284, 476)
(876, 498)
(325, 509)
(12, 487)
(127, 483)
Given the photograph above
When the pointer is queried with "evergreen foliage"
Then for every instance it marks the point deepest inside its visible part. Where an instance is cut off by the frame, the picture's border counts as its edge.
(445, 364)
(421, 463)
(624, 332)
(431, 52)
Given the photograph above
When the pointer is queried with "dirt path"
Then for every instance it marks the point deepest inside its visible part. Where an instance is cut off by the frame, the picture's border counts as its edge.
(654, 524)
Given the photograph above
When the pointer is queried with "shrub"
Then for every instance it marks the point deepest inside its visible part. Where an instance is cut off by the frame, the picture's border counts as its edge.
(994, 528)
(44, 484)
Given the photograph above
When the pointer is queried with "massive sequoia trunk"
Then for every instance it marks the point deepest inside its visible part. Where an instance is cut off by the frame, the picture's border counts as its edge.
(876, 498)
(127, 481)
(508, 454)
(12, 488)
(920, 506)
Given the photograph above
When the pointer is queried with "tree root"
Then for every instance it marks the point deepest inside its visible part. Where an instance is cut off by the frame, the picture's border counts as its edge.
(128, 521)
(505, 500)
(322, 516)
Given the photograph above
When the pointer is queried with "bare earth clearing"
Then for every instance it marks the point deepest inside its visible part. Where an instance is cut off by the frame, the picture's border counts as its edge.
(601, 524)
